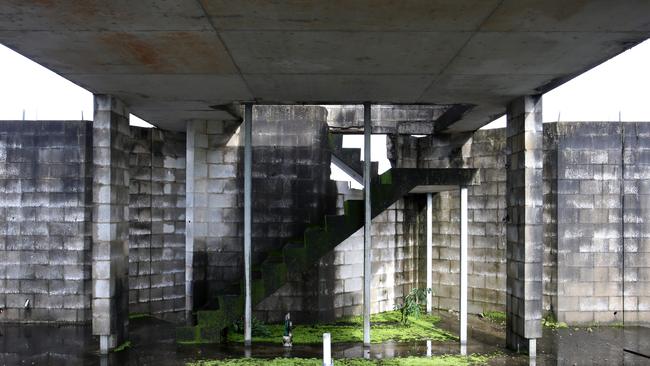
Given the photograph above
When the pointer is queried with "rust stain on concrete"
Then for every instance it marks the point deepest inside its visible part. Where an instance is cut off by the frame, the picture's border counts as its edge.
(134, 50)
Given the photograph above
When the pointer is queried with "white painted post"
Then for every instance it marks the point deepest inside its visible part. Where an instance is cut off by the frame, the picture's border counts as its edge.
(463, 267)
(532, 348)
(367, 224)
(327, 350)
(429, 251)
(248, 163)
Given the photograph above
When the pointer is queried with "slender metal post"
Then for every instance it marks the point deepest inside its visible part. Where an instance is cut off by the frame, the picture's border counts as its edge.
(248, 163)
(463, 267)
(429, 252)
(367, 224)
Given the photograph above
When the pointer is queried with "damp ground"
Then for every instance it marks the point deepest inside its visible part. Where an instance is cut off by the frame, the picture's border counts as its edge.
(152, 342)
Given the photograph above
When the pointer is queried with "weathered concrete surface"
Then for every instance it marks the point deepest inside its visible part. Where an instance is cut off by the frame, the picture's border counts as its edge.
(157, 223)
(171, 61)
(45, 213)
(110, 222)
(524, 230)
(291, 189)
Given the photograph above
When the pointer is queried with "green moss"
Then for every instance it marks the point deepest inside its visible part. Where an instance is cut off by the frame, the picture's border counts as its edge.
(385, 327)
(122, 346)
(550, 322)
(138, 316)
(498, 317)
(444, 360)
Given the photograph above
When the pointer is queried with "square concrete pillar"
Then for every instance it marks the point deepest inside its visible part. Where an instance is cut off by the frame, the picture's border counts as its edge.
(525, 249)
(110, 226)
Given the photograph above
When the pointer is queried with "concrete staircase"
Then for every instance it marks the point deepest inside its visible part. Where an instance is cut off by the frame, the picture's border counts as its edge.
(300, 256)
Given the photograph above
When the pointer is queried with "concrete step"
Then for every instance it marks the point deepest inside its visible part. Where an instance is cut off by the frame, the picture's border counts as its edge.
(298, 256)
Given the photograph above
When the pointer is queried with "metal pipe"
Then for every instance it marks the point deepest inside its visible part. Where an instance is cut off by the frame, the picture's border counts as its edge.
(367, 223)
(429, 251)
(248, 161)
(463, 266)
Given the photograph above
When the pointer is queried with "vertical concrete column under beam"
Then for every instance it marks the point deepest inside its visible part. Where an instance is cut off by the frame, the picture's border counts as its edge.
(367, 223)
(190, 142)
(110, 226)
(463, 270)
(429, 251)
(248, 191)
(524, 228)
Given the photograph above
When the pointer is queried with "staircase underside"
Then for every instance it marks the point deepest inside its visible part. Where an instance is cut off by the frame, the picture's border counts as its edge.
(300, 256)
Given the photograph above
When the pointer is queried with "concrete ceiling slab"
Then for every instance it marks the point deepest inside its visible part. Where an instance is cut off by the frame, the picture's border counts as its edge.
(94, 15)
(537, 52)
(341, 52)
(182, 52)
(338, 89)
(152, 89)
(570, 16)
(484, 88)
(482, 52)
(357, 15)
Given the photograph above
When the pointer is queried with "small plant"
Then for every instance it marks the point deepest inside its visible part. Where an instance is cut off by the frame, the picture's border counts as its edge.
(258, 328)
(498, 317)
(413, 303)
(550, 322)
(122, 346)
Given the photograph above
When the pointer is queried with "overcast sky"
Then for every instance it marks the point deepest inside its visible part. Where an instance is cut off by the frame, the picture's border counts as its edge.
(620, 85)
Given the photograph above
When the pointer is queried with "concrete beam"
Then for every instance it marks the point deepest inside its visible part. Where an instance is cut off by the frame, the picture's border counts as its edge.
(524, 198)
(110, 225)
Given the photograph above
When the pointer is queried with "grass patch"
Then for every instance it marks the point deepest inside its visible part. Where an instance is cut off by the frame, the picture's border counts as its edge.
(385, 327)
(498, 317)
(122, 346)
(445, 360)
(133, 316)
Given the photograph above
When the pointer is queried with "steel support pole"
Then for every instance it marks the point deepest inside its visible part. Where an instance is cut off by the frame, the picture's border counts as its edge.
(367, 223)
(463, 267)
(248, 190)
(429, 251)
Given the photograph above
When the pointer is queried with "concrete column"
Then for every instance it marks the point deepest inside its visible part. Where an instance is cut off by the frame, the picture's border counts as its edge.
(429, 251)
(110, 226)
(463, 269)
(190, 138)
(524, 198)
(248, 194)
(367, 224)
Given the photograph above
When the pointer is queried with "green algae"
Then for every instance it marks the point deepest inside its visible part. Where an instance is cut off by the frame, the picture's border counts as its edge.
(443, 360)
(385, 327)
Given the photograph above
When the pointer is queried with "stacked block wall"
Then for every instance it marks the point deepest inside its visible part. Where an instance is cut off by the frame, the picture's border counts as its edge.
(291, 190)
(585, 168)
(46, 205)
(486, 226)
(157, 222)
(45, 214)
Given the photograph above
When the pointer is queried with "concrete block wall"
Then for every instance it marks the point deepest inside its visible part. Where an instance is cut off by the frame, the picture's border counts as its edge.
(336, 291)
(45, 212)
(635, 170)
(291, 189)
(486, 214)
(157, 223)
(395, 258)
(586, 168)
(214, 213)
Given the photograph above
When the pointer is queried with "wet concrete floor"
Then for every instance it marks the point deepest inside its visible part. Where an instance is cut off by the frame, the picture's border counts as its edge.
(153, 344)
